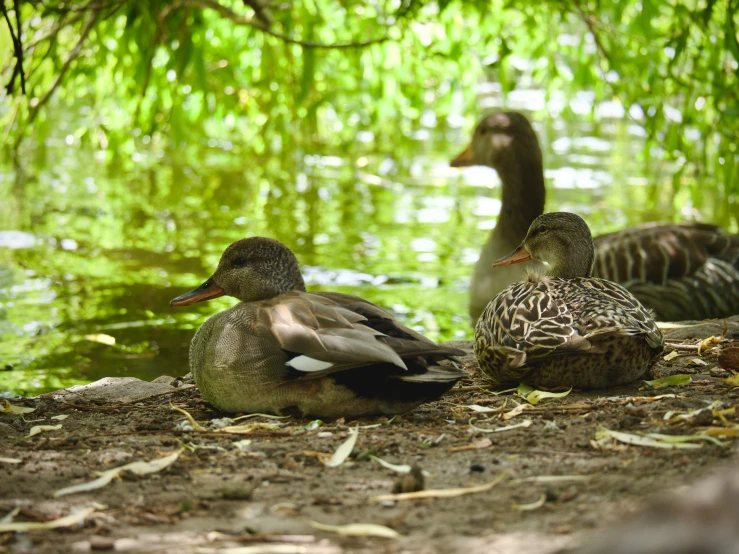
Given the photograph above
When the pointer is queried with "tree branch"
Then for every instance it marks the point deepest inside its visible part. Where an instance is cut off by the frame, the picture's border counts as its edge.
(72, 56)
(241, 20)
(589, 21)
(17, 47)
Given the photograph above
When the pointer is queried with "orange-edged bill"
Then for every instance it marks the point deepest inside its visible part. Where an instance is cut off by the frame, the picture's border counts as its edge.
(518, 256)
(464, 158)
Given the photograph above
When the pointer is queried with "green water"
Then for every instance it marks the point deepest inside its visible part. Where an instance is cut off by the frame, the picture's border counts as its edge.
(92, 243)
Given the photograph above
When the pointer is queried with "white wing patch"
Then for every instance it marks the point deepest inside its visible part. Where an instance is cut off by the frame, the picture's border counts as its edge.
(308, 364)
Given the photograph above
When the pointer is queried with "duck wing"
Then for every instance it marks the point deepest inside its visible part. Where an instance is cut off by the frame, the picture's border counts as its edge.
(526, 321)
(601, 308)
(328, 333)
(682, 271)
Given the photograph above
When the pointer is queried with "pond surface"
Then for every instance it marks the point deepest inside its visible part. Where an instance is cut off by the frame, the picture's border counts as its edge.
(93, 247)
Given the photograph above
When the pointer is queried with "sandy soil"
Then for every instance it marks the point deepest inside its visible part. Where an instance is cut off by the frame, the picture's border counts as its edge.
(226, 492)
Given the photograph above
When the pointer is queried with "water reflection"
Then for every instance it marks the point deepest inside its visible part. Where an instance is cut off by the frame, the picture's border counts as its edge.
(92, 245)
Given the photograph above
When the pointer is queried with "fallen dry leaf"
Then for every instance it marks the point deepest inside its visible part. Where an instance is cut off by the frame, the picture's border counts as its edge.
(190, 419)
(11, 409)
(532, 506)
(358, 530)
(139, 468)
(36, 429)
(524, 423)
(10, 460)
(654, 440)
(671, 355)
(482, 409)
(707, 344)
(476, 445)
(536, 396)
(75, 518)
(514, 412)
(343, 451)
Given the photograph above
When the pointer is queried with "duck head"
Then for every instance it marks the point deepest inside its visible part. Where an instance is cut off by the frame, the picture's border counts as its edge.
(560, 239)
(497, 139)
(251, 269)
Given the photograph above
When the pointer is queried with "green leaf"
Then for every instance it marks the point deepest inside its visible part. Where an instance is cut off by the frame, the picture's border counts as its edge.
(671, 381)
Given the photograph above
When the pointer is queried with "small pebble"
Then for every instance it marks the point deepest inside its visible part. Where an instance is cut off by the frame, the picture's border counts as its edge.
(477, 468)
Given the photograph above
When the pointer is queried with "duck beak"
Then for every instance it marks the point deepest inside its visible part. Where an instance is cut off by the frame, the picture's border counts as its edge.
(206, 291)
(464, 159)
(518, 256)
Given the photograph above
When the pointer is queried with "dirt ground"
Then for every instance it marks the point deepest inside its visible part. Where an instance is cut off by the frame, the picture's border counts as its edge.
(261, 491)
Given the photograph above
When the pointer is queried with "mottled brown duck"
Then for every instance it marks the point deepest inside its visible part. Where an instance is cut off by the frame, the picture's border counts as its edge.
(284, 350)
(682, 271)
(564, 328)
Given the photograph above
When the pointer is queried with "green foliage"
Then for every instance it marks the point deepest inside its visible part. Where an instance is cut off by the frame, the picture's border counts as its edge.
(246, 71)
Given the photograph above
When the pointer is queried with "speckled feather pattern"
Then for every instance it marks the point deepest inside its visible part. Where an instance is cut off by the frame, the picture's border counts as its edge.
(582, 332)
(682, 271)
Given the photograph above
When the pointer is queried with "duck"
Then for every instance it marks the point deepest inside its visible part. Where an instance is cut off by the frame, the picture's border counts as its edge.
(563, 327)
(282, 350)
(683, 271)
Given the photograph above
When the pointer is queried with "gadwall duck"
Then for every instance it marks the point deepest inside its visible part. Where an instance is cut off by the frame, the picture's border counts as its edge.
(284, 350)
(564, 328)
(681, 271)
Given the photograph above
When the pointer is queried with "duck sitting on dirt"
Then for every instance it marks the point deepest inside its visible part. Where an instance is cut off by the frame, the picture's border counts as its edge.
(682, 271)
(564, 328)
(284, 350)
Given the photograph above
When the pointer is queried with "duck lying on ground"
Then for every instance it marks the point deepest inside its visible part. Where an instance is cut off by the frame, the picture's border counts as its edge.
(682, 271)
(564, 328)
(284, 350)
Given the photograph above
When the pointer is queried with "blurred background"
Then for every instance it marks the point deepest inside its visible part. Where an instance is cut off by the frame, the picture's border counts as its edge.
(143, 137)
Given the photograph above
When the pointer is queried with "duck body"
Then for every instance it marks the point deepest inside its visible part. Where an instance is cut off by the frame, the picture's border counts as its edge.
(684, 270)
(309, 354)
(565, 328)
(681, 271)
(584, 333)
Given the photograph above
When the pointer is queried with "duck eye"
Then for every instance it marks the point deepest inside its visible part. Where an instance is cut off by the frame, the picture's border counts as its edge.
(238, 262)
(542, 229)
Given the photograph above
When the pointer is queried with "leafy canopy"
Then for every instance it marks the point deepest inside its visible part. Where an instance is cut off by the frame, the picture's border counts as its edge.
(246, 71)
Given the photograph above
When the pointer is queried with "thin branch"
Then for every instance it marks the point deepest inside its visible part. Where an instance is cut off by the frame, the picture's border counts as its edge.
(241, 20)
(72, 56)
(261, 11)
(589, 21)
(17, 48)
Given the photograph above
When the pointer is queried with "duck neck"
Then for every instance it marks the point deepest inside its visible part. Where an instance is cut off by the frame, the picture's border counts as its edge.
(522, 198)
(575, 266)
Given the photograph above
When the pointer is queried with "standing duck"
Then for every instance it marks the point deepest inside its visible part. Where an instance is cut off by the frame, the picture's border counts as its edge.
(564, 328)
(681, 271)
(284, 350)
